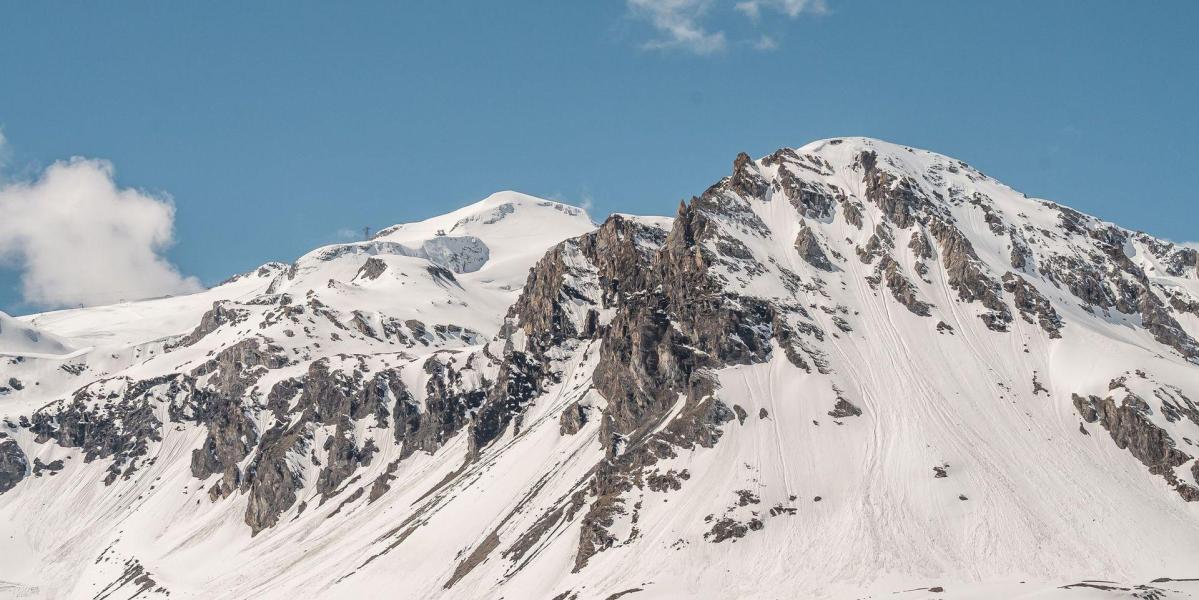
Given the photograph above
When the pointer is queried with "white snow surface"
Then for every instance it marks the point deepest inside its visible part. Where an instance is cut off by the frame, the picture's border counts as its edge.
(1037, 504)
(21, 339)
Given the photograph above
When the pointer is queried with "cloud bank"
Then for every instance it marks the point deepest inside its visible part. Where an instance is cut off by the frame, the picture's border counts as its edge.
(79, 239)
(681, 23)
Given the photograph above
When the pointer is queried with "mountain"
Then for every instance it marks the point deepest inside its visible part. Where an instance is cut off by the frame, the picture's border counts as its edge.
(851, 369)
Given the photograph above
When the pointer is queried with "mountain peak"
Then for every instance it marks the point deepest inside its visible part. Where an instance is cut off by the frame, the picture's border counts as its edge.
(848, 369)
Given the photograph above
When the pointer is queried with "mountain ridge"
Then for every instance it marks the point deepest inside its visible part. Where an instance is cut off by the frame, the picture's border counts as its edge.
(869, 367)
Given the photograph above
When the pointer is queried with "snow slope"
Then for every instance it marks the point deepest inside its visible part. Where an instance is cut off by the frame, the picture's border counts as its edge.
(19, 339)
(849, 370)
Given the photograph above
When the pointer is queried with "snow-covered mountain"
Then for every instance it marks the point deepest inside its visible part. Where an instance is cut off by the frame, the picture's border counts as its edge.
(848, 370)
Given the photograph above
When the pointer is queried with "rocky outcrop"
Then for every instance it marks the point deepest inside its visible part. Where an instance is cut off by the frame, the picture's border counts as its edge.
(218, 405)
(812, 199)
(560, 304)
(111, 419)
(880, 243)
(843, 409)
(343, 457)
(14, 465)
(222, 313)
(853, 213)
(324, 398)
(920, 246)
(1032, 305)
(1156, 319)
(967, 276)
(902, 289)
(1131, 429)
(899, 197)
(746, 179)
(656, 352)
(447, 406)
(271, 479)
(808, 246)
(373, 268)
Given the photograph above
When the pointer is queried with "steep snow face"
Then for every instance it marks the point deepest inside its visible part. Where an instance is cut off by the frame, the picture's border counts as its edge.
(850, 369)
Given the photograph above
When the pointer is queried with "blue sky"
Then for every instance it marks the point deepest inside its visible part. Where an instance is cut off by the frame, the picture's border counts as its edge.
(276, 127)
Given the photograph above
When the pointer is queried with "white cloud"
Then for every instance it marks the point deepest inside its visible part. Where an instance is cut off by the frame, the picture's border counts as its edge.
(765, 43)
(791, 8)
(345, 234)
(682, 23)
(679, 23)
(79, 239)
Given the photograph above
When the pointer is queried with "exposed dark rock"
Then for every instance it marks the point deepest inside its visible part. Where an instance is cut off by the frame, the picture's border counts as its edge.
(900, 198)
(52, 467)
(105, 424)
(746, 179)
(620, 252)
(1176, 406)
(442, 276)
(623, 593)
(812, 199)
(853, 213)
(741, 414)
(967, 276)
(1086, 407)
(520, 380)
(809, 249)
(1082, 279)
(920, 246)
(343, 458)
(218, 406)
(1021, 254)
(573, 418)
(1037, 386)
(13, 464)
(879, 244)
(1132, 430)
(373, 268)
(448, 402)
(903, 289)
(843, 409)
(746, 497)
(1032, 304)
(270, 479)
(779, 509)
(1182, 262)
(727, 528)
(322, 398)
(669, 481)
(220, 314)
